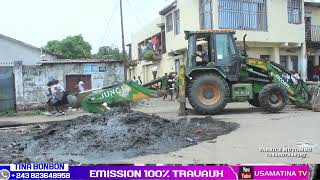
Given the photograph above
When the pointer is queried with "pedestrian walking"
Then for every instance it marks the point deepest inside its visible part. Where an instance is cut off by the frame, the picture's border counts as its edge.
(140, 81)
(51, 103)
(164, 86)
(171, 86)
(60, 96)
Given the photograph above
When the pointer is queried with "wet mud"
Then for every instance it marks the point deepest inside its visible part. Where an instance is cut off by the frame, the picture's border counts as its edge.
(108, 137)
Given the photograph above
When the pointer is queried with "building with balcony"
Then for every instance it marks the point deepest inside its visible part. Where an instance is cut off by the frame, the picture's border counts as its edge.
(147, 49)
(276, 31)
(312, 28)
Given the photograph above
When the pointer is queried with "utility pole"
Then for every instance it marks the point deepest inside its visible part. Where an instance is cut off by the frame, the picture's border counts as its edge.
(123, 45)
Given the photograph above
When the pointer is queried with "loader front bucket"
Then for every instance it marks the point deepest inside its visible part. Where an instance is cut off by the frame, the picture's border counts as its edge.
(314, 96)
(315, 100)
(99, 100)
(307, 95)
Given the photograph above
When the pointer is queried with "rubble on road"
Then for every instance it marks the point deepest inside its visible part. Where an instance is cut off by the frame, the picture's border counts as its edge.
(316, 102)
(108, 137)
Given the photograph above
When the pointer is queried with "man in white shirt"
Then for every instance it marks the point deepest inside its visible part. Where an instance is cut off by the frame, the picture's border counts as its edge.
(59, 96)
(81, 86)
(51, 101)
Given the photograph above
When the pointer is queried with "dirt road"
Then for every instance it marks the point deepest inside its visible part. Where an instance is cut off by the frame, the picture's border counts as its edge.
(34, 119)
(292, 128)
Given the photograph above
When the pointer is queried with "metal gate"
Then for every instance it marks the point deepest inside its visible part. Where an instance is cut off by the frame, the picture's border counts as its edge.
(73, 80)
(7, 91)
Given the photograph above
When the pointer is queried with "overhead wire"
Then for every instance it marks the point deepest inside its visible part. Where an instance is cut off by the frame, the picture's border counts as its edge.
(115, 8)
(139, 17)
(140, 25)
(106, 32)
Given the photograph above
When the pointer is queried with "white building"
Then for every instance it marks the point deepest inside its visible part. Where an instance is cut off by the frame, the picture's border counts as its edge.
(276, 30)
(14, 50)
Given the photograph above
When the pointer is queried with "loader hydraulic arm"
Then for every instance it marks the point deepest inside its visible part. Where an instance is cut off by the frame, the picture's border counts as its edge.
(99, 100)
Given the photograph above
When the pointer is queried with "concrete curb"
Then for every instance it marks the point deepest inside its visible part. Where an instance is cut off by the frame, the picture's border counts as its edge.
(13, 125)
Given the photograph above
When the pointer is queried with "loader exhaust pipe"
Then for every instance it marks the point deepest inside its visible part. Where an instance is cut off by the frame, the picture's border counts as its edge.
(245, 45)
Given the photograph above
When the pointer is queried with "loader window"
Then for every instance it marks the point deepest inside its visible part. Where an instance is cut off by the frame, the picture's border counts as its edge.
(204, 50)
(191, 52)
(200, 50)
(224, 49)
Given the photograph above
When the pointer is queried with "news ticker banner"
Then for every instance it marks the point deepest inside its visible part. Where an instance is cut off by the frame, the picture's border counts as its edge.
(64, 171)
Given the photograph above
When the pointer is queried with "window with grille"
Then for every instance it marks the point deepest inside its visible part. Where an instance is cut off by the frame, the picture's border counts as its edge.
(169, 24)
(205, 14)
(243, 14)
(295, 63)
(177, 22)
(284, 62)
(295, 11)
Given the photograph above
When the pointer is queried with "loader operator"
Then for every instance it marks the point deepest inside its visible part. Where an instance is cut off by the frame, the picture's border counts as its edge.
(203, 55)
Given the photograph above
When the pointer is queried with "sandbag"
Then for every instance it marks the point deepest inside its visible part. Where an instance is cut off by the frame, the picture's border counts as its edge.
(73, 101)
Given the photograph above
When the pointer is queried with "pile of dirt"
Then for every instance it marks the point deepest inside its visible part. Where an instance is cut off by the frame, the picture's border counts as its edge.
(115, 135)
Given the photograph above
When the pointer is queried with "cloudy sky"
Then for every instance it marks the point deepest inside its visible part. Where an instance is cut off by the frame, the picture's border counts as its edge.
(37, 21)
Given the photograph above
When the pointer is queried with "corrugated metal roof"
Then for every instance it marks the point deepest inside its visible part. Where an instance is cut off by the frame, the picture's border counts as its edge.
(313, 1)
(73, 61)
(204, 32)
(213, 31)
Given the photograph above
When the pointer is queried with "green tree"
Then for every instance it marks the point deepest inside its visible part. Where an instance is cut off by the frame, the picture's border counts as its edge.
(110, 52)
(71, 47)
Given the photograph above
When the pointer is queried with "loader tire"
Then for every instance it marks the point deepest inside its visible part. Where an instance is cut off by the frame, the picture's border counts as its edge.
(254, 102)
(208, 94)
(273, 98)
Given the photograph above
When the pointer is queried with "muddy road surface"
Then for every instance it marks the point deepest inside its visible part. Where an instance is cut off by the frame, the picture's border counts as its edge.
(106, 138)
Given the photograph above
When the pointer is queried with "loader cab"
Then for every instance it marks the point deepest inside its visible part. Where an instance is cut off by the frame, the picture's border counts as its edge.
(222, 53)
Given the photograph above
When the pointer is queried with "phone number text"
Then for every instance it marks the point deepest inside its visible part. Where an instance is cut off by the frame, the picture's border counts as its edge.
(42, 176)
